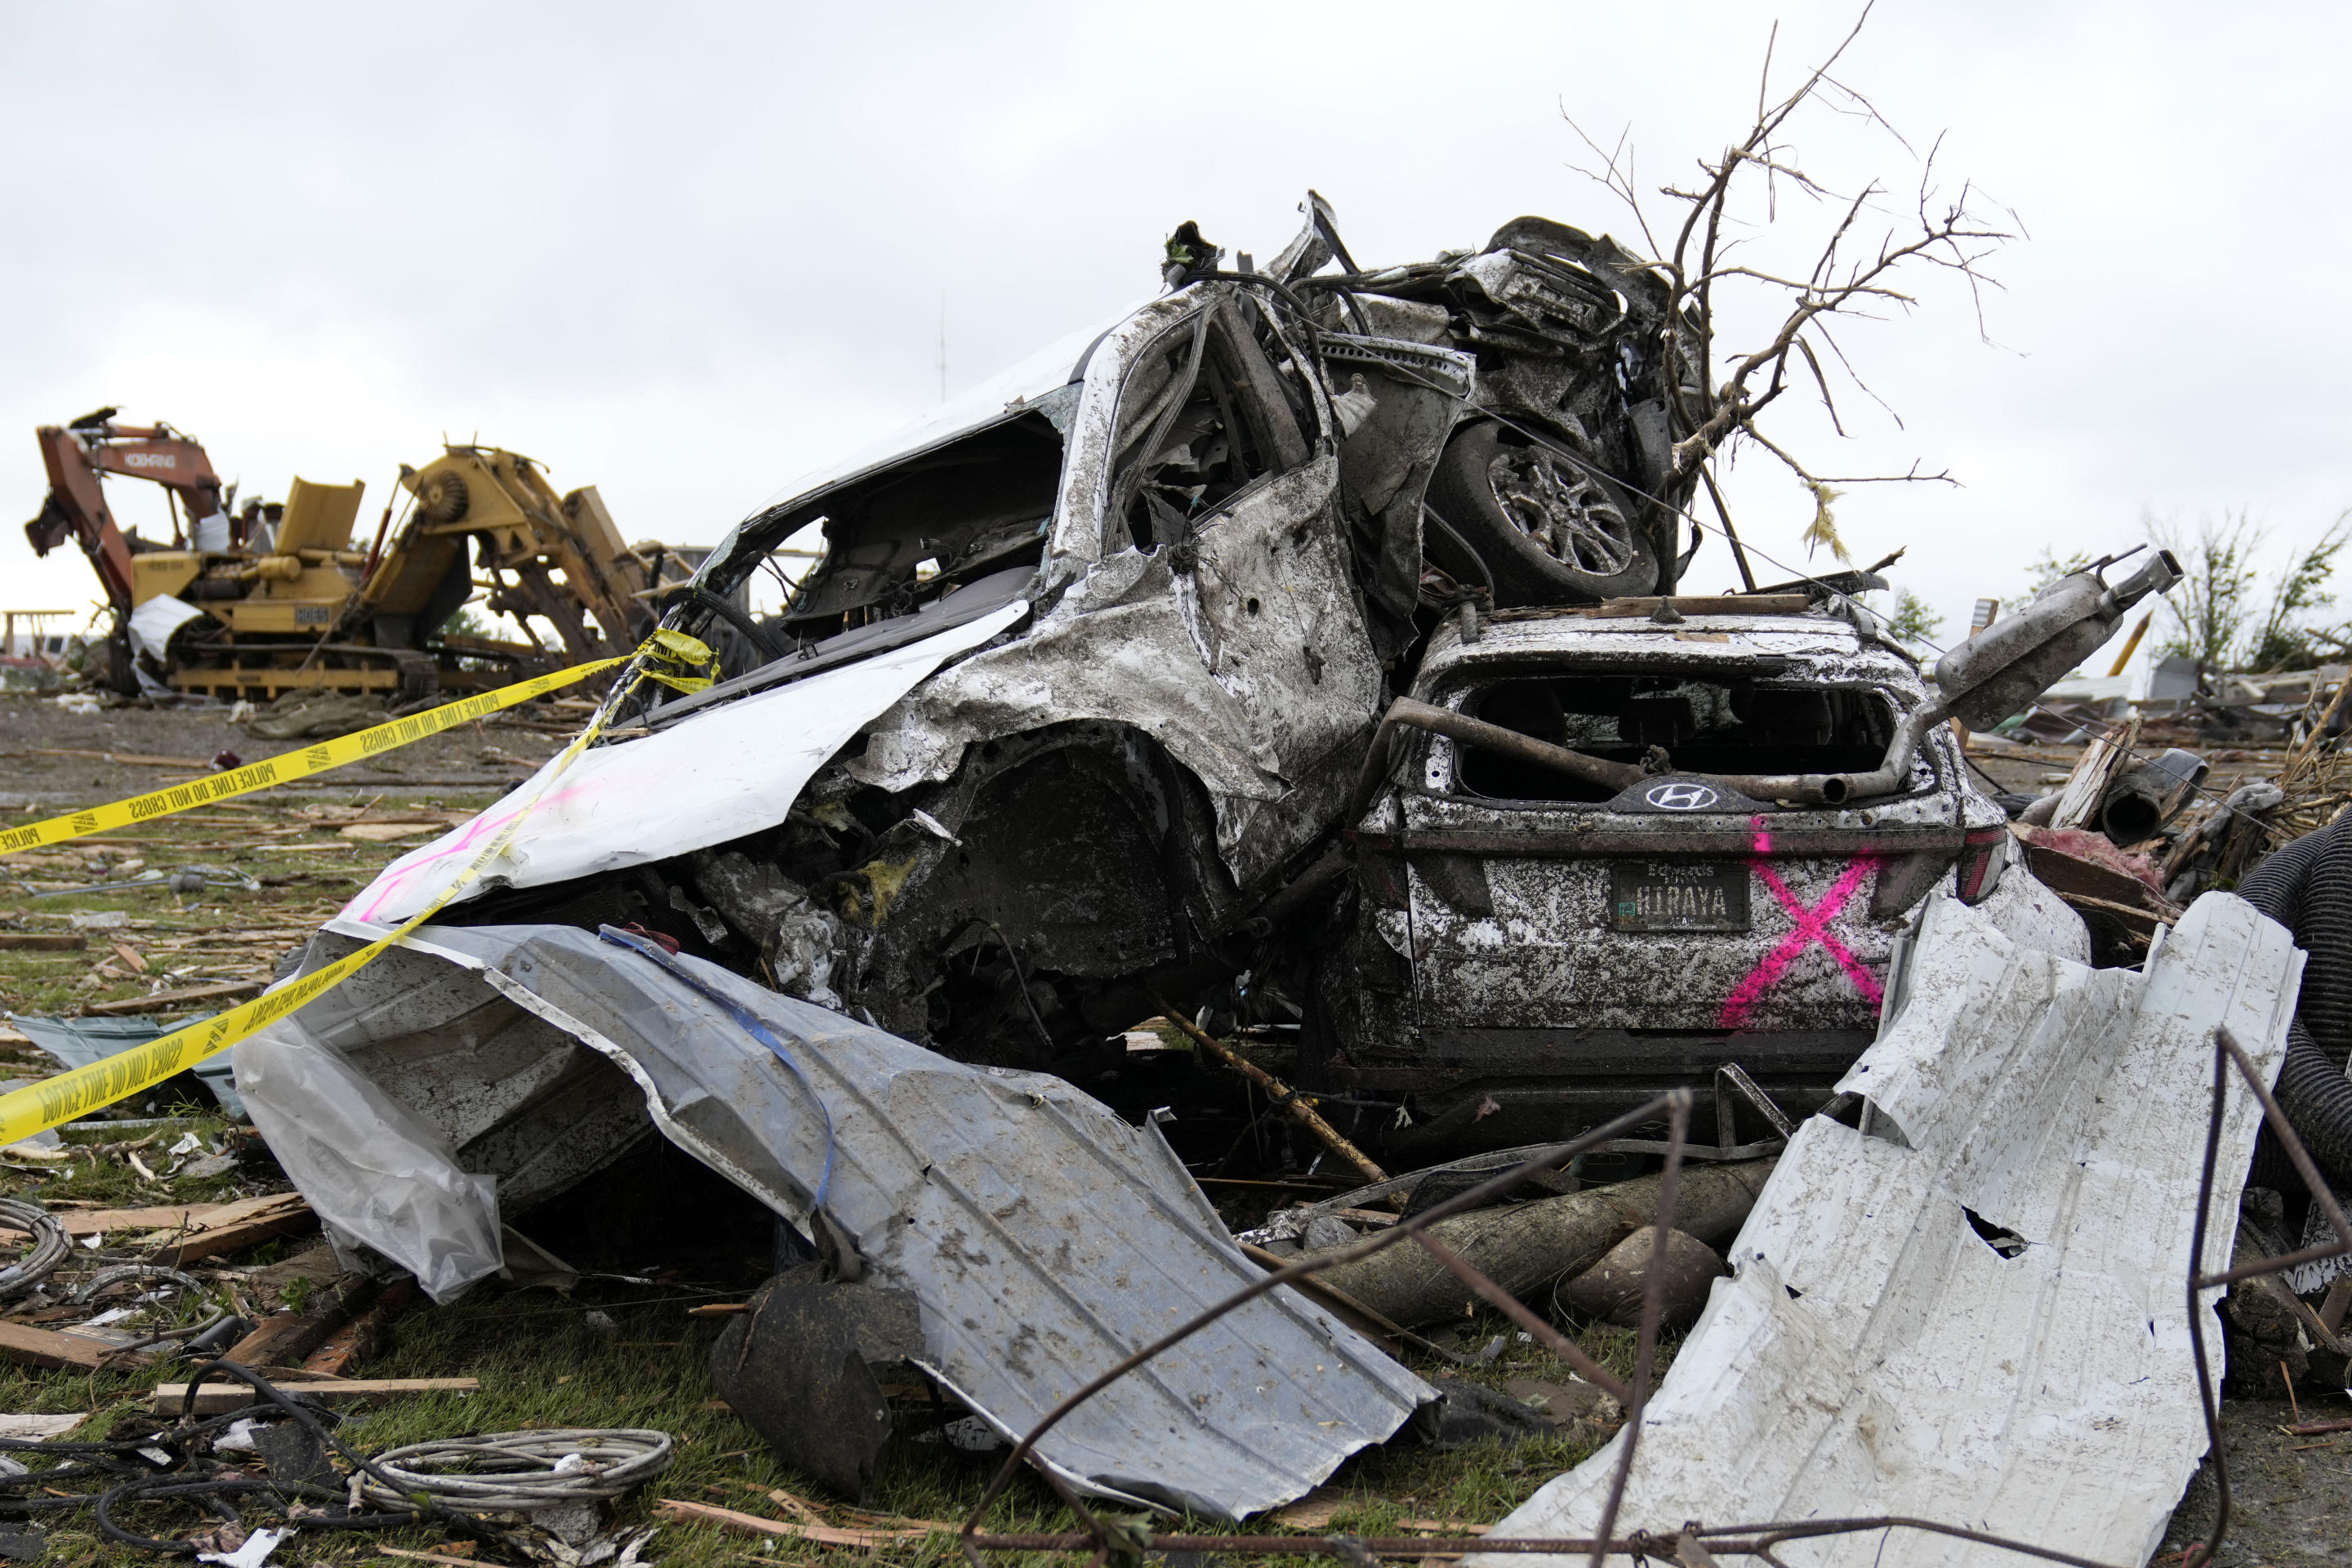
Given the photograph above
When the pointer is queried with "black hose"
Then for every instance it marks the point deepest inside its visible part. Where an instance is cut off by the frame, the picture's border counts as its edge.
(2306, 886)
(2317, 1099)
(704, 599)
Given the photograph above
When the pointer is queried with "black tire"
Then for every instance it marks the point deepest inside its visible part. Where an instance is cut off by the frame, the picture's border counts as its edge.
(120, 678)
(1533, 526)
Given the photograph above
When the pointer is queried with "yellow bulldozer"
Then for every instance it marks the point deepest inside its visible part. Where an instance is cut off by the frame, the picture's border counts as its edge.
(276, 598)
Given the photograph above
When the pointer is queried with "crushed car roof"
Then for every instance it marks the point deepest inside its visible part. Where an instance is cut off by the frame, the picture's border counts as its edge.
(1054, 367)
(1697, 637)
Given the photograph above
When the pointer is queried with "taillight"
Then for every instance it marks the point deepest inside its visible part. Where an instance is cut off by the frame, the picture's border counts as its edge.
(1984, 854)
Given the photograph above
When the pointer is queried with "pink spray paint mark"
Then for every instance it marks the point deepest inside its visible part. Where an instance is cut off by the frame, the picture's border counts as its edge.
(470, 837)
(1812, 925)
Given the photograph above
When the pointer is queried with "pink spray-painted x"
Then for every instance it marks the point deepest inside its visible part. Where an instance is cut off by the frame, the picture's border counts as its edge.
(1812, 925)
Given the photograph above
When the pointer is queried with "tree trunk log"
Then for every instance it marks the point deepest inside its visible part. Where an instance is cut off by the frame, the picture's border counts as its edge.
(1524, 1246)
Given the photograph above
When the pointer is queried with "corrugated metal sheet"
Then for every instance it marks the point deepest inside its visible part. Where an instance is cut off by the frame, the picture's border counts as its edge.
(1045, 1238)
(1873, 1352)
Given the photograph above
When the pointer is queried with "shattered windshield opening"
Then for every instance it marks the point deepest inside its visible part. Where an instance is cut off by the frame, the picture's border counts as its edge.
(1704, 726)
(897, 542)
(902, 537)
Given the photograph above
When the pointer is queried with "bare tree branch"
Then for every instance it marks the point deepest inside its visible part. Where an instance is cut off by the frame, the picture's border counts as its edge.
(1866, 267)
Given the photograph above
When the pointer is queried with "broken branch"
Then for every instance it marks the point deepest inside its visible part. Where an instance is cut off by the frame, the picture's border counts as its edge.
(1282, 1095)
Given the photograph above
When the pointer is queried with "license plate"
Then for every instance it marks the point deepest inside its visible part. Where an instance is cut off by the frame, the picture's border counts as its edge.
(1678, 895)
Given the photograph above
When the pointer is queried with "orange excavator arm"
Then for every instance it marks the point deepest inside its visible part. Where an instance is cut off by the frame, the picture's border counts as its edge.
(76, 507)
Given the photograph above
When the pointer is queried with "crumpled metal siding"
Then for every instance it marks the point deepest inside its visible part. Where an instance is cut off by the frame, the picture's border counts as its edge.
(1872, 1354)
(1045, 1238)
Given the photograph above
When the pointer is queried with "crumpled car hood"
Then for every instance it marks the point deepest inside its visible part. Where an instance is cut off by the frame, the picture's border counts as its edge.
(717, 775)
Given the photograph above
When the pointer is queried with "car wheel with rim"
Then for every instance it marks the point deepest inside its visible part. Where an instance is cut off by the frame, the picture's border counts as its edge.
(1532, 524)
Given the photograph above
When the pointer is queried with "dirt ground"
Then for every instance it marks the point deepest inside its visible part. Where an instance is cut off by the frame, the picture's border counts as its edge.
(49, 751)
(2291, 1498)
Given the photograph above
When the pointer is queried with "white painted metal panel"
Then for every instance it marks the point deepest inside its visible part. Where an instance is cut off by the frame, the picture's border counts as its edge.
(718, 775)
(1871, 1354)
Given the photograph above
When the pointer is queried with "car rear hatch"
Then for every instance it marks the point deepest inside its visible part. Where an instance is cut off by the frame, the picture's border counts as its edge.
(1574, 949)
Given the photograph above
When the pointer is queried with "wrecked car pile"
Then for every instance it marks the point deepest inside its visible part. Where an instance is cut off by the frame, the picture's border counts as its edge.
(1293, 674)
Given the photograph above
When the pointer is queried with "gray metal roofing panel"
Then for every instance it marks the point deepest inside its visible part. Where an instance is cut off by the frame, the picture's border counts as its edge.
(1045, 1237)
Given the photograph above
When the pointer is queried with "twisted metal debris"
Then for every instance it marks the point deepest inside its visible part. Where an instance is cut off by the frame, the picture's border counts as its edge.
(1693, 1542)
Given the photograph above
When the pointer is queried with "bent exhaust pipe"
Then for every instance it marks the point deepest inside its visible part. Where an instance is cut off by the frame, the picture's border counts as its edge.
(1793, 789)
(1985, 679)
(1412, 714)
(2001, 669)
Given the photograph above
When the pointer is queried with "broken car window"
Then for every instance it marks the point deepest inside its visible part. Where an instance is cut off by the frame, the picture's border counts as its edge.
(1202, 415)
(900, 538)
(1703, 727)
(888, 544)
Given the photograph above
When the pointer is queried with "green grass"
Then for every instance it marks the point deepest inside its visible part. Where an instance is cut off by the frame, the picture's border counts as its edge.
(541, 1364)
(538, 1362)
(168, 930)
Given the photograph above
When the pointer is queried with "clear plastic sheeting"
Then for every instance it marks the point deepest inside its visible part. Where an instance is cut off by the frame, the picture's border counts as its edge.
(368, 1165)
(1971, 1309)
(1044, 1238)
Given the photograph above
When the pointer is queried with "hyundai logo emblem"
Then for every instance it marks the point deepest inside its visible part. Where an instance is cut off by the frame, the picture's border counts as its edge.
(1680, 796)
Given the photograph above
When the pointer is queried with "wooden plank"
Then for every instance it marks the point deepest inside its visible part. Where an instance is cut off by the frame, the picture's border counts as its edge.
(104, 1222)
(128, 759)
(727, 1519)
(2071, 875)
(315, 1263)
(2106, 756)
(283, 1339)
(163, 1000)
(215, 1398)
(259, 1205)
(42, 941)
(365, 1334)
(241, 1225)
(44, 1347)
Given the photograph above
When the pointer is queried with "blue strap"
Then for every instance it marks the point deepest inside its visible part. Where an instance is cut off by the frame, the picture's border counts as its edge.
(750, 1026)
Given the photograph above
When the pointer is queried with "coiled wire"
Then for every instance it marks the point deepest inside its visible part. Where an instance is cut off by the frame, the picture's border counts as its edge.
(142, 1271)
(50, 1246)
(524, 1474)
(519, 1471)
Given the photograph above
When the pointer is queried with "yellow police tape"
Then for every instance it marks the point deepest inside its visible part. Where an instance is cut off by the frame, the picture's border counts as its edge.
(83, 1089)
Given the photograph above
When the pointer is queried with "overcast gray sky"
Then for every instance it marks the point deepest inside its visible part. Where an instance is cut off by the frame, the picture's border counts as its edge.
(686, 252)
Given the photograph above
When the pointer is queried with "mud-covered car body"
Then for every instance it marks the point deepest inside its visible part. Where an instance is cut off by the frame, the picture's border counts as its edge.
(1089, 660)
(1526, 953)
(1560, 488)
